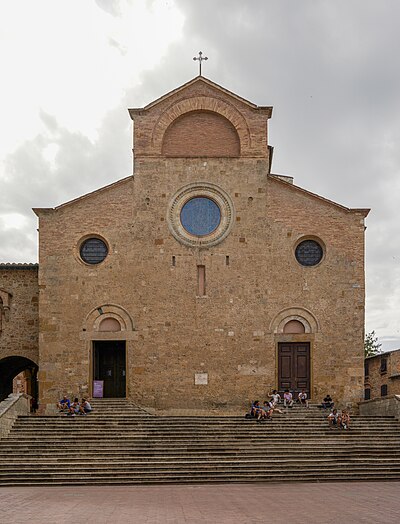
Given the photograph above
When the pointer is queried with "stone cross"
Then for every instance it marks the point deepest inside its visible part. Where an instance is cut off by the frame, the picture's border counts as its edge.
(200, 58)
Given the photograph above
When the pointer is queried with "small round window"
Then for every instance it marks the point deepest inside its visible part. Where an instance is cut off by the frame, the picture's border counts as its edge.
(309, 253)
(200, 216)
(93, 251)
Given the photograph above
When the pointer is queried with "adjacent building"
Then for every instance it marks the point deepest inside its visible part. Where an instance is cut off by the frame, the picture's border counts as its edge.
(382, 375)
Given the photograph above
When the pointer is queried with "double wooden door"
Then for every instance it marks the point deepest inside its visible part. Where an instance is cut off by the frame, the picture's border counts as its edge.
(294, 367)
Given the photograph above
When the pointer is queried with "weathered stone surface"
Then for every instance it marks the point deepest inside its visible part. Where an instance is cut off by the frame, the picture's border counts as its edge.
(19, 320)
(380, 407)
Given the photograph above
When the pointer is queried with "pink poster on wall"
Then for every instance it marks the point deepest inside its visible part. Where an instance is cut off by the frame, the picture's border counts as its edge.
(98, 387)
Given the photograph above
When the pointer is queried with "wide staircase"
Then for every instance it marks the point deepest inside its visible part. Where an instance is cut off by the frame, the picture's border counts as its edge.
(119, 443)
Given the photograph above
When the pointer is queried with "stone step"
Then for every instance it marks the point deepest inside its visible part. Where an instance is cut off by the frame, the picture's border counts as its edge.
(121, 481)
(143, 436)
(273, 461)
(209, 475)
(200, 468)
(166, 437)
(120, 444)
(262, 427)
(156, 422)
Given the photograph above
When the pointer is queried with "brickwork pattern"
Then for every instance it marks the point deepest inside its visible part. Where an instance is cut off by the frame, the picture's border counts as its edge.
(201, 134)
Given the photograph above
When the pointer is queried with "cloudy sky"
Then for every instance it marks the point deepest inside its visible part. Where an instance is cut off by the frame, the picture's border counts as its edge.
(330, 68)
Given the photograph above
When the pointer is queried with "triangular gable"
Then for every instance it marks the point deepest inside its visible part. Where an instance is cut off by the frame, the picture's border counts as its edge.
(293, 187)
(37, 210)
(205, 81)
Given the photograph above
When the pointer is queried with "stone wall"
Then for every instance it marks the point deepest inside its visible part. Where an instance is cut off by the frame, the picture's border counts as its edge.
(20, 320)
(388, 406)
(10, 409)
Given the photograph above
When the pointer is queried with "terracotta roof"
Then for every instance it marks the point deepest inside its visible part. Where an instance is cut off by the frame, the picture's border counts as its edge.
(382, 354)
(18, 265)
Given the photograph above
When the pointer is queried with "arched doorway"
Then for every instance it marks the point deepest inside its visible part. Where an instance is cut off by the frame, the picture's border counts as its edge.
(10, 367)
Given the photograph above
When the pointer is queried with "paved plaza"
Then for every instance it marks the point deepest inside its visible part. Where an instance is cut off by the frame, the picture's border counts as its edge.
(297, 503)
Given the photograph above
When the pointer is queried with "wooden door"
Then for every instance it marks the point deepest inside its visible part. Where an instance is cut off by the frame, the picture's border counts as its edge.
(110, 366)
(294, 367)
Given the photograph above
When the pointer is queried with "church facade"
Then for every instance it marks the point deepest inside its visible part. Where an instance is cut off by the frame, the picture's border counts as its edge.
(202, 281)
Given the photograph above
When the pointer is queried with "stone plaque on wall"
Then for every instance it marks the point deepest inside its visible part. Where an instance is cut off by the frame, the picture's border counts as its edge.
(201, 379)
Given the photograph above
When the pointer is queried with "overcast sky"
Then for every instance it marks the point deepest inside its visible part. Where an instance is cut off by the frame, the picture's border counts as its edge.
(331, 69)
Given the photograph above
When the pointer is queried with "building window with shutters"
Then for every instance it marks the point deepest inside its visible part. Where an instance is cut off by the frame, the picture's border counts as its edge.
(384, 390)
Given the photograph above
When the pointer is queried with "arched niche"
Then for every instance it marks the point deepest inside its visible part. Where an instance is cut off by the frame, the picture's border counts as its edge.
(294, 327)
(202, 104)
(109, 324)
(294, 314)
(101, 313)
(201, 134)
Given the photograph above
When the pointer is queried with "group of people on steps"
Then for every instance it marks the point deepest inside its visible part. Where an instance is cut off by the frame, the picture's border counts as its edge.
(269, 407)
(74, 408)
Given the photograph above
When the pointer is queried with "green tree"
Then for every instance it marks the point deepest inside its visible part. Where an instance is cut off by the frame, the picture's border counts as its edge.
(371, 345)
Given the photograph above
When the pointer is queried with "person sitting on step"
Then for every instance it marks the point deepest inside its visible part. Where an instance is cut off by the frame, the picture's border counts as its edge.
(333, 419)
(85, 407)
(287, 399)
(255, 409)
(64, 403)
(345, 420)
(302, 398)
(327, 403)
(267, 410)
(74, 409)
(275, 398)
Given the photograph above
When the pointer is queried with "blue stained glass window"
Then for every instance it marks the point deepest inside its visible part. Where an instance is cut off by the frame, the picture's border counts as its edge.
(200, 216)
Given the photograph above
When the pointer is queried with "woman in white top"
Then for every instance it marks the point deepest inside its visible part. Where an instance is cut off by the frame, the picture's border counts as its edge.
(275, 399)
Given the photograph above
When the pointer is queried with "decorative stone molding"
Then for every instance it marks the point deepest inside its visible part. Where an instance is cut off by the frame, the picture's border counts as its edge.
(300, 314)
(202, 103)
(201, 189)
(100, 313)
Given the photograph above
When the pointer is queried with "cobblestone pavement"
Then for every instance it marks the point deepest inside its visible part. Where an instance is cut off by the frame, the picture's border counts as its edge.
(298, 503)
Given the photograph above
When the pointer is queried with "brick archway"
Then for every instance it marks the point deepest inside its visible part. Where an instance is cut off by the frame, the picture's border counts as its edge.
(202, 103)
(10, 367)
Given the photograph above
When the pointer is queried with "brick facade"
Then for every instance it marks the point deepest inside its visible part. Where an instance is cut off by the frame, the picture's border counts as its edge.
(218, 349)
(382, 375)
(200, 134)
